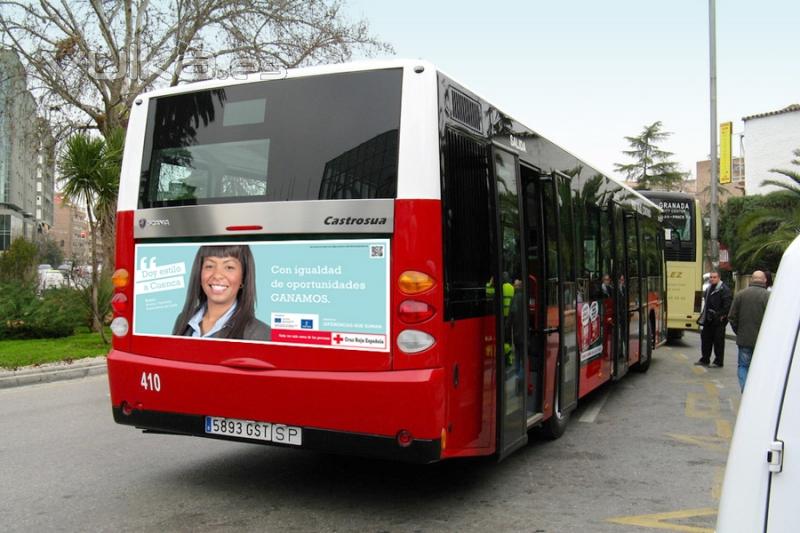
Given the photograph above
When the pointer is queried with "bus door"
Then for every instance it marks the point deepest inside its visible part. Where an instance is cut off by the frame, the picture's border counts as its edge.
(537, 295)
(634, 292)
(510, 304)
(620, 274)
(559, 271)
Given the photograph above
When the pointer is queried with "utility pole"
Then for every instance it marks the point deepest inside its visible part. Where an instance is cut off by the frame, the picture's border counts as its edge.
(714, 208)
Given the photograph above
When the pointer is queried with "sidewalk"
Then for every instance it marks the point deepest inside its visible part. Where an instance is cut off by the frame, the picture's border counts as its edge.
(30, 375)
(729, 334)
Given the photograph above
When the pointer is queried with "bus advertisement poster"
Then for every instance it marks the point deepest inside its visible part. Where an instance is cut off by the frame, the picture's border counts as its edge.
(590, 316)
(331, 293)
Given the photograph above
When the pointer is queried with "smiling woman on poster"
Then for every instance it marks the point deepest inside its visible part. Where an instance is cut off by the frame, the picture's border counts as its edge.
(221, 297)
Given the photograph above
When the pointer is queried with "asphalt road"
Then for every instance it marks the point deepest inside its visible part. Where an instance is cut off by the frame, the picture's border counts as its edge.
(646, 453)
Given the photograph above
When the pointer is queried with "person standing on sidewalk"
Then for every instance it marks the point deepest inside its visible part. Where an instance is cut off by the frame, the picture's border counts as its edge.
(746, 315)
(714, 319)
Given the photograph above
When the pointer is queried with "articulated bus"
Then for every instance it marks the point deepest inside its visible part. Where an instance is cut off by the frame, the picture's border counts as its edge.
(683, 251)
(409, 273)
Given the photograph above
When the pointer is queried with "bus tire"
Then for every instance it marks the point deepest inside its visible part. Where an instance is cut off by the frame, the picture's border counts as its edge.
(674, 335)
(556, 425)
(644, 363)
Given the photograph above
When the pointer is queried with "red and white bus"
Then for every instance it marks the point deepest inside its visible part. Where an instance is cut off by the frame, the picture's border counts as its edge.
(423, 274)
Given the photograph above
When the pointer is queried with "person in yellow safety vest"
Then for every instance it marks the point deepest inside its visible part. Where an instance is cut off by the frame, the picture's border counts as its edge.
(508, 295)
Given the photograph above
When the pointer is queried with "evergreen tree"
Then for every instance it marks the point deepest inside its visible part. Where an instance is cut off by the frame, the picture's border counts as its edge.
(18, 263)
(651, 168)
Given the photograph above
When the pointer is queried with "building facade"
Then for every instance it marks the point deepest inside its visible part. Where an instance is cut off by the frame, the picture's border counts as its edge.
(770, 140)
(71, 231)
(702, 183)
(27, 158)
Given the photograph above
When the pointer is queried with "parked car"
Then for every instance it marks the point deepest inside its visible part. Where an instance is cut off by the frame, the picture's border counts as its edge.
(762, 476)
(51, 279)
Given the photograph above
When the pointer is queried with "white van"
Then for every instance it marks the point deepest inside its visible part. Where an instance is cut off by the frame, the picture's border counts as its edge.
(51, 279)
(761, 491)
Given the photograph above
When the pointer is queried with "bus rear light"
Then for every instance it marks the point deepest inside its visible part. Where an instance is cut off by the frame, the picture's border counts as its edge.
(414, 341)
(413, 282)
(119, 302)
(414, 312)
(404, 438)
(120, 278)
(128, 409)
(119, 326)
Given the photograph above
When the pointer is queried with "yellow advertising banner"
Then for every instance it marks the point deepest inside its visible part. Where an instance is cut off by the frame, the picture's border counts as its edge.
(725, 130)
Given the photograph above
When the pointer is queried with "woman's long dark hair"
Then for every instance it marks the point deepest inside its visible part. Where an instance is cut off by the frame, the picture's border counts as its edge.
(245, 299)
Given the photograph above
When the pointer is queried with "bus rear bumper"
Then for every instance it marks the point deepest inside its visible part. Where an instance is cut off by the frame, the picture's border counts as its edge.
(419, 451)
(355, 413)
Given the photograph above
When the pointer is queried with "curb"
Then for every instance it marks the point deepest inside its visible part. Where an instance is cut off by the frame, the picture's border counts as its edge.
(31, 375)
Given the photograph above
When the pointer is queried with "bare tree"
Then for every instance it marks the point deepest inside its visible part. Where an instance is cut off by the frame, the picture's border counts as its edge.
(89, 59)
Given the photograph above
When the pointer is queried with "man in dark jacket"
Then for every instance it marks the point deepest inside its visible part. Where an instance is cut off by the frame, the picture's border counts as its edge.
(746, 315)
(714, 319)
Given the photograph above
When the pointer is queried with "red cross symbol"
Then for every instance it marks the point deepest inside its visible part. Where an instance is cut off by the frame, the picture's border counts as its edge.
(338, 338)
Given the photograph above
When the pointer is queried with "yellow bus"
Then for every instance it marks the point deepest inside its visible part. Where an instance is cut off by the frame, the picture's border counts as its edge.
(683, 251)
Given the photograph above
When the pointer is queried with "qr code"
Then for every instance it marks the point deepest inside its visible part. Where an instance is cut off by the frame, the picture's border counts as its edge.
(376, 251)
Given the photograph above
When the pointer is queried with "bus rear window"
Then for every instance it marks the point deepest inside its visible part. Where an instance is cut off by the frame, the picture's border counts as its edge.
(320, 137)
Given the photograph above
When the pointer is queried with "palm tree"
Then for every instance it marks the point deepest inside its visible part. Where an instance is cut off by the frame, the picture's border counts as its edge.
(772, 229)
(108, 187)
(83, 171)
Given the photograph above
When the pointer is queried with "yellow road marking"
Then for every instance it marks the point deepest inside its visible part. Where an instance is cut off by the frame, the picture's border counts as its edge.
(699, 370)
(724, 429)
(716, 489)
(659, 520)
(699, 405)
(712, 443)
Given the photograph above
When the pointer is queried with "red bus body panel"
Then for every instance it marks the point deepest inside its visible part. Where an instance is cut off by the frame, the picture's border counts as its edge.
(376, 403)
(359, 392)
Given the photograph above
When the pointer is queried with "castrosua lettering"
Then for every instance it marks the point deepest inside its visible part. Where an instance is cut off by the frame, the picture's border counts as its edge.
(354, 221)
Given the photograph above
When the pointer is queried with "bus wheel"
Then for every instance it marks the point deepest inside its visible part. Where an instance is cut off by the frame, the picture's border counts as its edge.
(556, 425)
(674, 335)
(644, 363)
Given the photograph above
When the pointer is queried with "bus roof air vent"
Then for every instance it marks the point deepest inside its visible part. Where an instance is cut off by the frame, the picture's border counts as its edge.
(466, 110)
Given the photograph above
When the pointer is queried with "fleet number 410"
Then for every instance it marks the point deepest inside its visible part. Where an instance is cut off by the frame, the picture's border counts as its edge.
(151, 381)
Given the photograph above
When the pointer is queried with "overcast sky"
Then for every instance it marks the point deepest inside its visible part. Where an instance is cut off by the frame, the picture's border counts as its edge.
(587, 73)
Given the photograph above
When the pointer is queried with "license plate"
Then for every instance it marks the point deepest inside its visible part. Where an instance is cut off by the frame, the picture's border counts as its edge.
(251, 429)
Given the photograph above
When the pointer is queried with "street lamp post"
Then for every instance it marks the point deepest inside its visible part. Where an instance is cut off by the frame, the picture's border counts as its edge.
(714, 208)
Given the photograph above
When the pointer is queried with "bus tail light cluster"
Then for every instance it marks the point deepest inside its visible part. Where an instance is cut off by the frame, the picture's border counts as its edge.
(414, 341)
(119, 302)
(413, 283)
(414, 312)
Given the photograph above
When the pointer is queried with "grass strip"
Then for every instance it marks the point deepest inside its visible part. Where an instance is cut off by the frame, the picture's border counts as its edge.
(18, 353)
